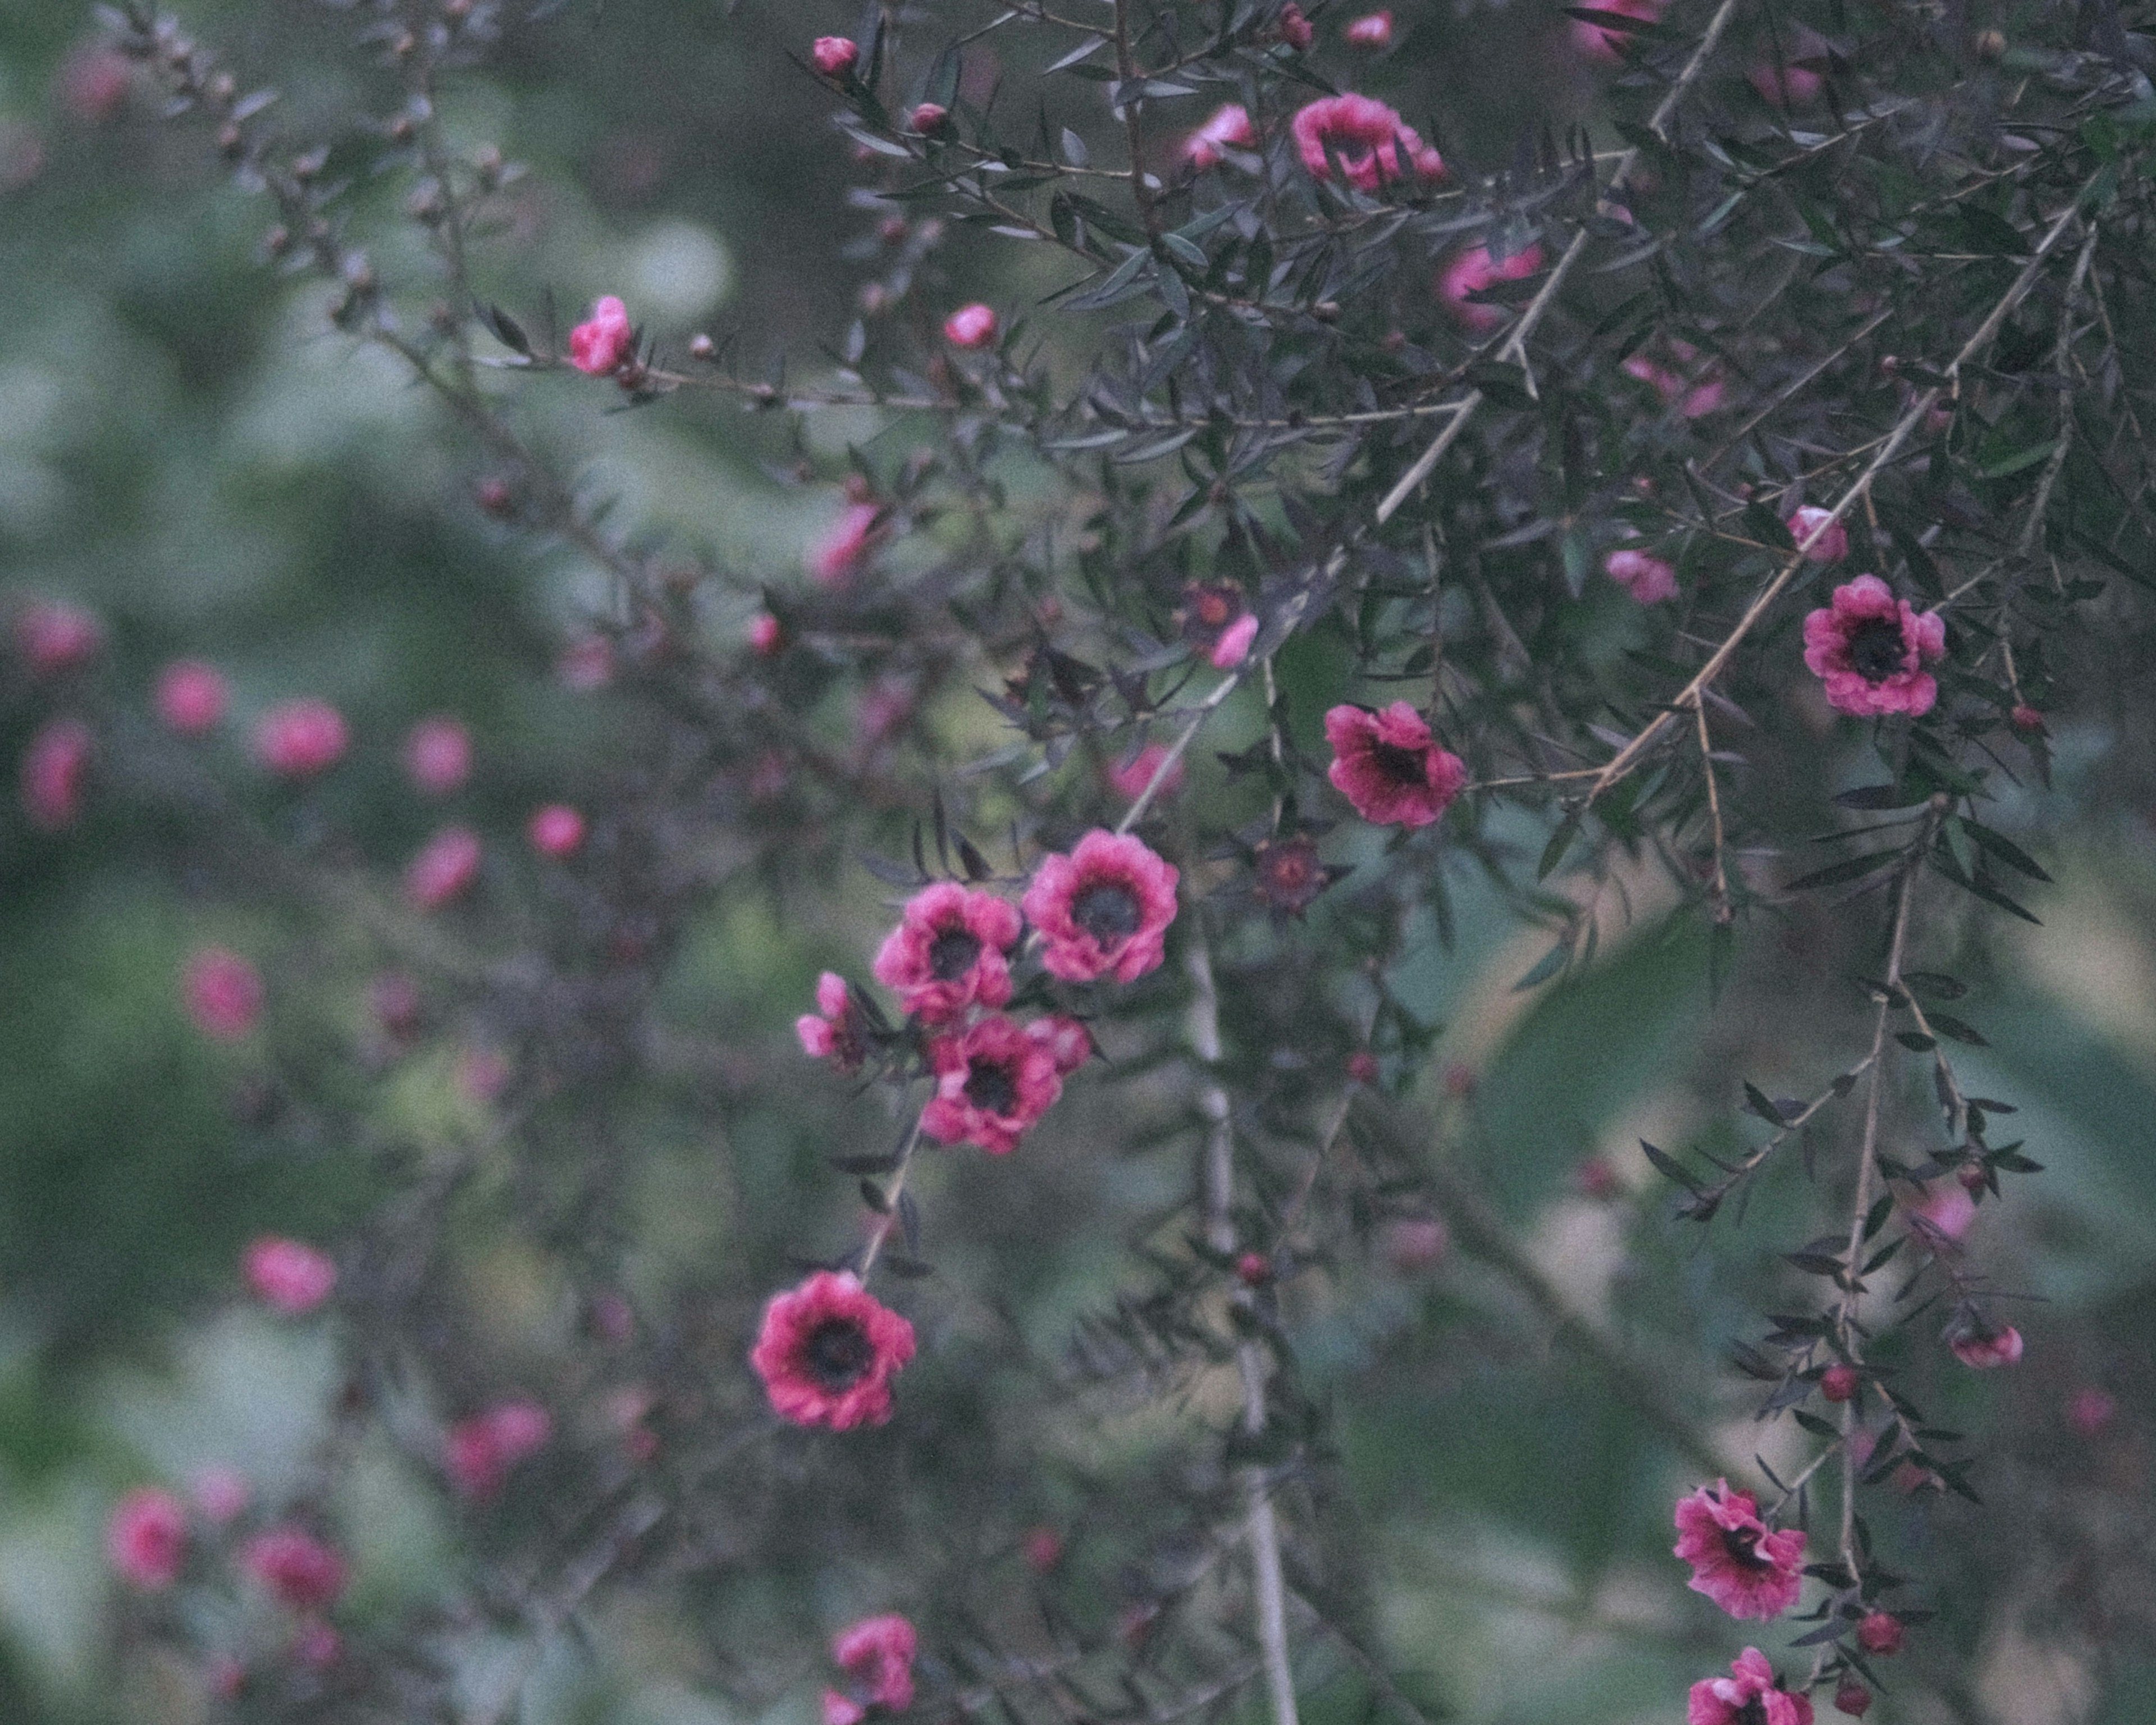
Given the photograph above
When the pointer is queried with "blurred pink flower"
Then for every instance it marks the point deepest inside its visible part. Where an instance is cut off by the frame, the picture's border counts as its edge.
(146, 1539)
(191, 696)
(298, 739)
(973, 325)
(53, 767)
(600, 345)
(438, 756)
(445, 868)
(222, 994)
(288, 1275)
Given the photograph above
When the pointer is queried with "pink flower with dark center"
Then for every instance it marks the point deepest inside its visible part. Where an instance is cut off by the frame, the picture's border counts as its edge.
(438, 756)
(1599, 43)
(1295, 29)
(556, 830)
(1749, 1696)
(1648, 579)
(298, 739)
(1880, 1634)
(1069, 1043)
(835, 56)
(444, 868)
(1869, 648)
(191, 696)
(1373, 29)
(1229, 129)
(1693, 389)
(766, 635)
(949, 952)
(145, 1540)
(835, 1036)
(1831, 546)
(835, 558)
(55, 636)
(1389, 766)
(1471, 271)
(877, 1654)
(971, 326)
(222, 994)
(480, 1452)
(1129, 779)
(927, 118)
(993, 1081)
(287, 1275)
(597, 347)
(1369, 140)
(301, 1572)
(827, 1351)
(2091, 1410)
(221, 1494)
(1976, 1343)
(1736, 1561)
(53, 767)
(1103, 910)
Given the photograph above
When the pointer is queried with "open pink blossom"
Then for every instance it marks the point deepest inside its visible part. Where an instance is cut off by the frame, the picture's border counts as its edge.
(438, 756)
(191, 696)
(1598, 42)
(1471, 271)
(1229, 129)
(1831, 546)
(993, 1081)
(973, 325)
(288, 1275)
(1296, 29)
(835, 56)
(479, 1453)
(599, 345)
(53, 767)
(833, 1032)
(443, 870)
(146, 1538)
(55, 636)
(1389, 766)
(1103, 910)
(1982, 1345)
(836, 558)
(1129, 779)
(948, 951)
(1749, 1696)
(298, 739)
(1372, 143)
(1869, 648)
(1373, 29)
(222, 992)
(1694, 390)
(556, 830)
(297, 1568)
(877, 1655)
(1648, 579)
(1736, 1561)
(827, 1351)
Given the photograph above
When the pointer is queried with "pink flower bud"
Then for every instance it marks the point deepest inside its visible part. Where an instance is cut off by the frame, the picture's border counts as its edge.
(438, 756)
(970, 327)
(1295, 29)
(287, 1275)
(1233, 646)
(1880, 1634)
(1230, 128)
(2027, 719)
(1981, 1347)
(298, 739)
(191, 696)
(222, 994)
(1648, 579)
(1130, 779)
(1852, 1698)
(480, 1452)
(1831, 546)
(1253, 1270)
(1838, 1382)
(1373, 29)
(444, 868)
(835, 56)
(599, 345)
(147, 1539)
(556, 830)
(56, 636)
(766, 635)
(927, 119)
(295, 1567)
(54, 767)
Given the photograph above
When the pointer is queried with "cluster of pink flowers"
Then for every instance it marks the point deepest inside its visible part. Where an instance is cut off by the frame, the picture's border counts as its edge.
(1370, 140)
(1869, 649)
(876, 1655)
(1389, 766)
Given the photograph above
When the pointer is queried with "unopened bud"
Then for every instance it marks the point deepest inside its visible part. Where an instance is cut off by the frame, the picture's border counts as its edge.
(701, 347)
(1990, 44)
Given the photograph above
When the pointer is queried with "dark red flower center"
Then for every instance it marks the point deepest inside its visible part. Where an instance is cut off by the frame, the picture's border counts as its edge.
(1877, 649)
(838, 1354)
(1753, 1712)
(952, 954)
(1401, 766)
(1108, 911)
(991, 1086)
(1741, 1545)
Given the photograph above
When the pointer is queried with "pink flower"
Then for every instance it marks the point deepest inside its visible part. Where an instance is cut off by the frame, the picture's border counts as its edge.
(1389, 766)
(993, 1081)
(835, 558)
(480, 1452)
(1736, 1561)
(1069, 1043)
(1367, 137)
(297, 739)
(1103, 910)
(1295, 29)
(1880, 1634)
(1233, 646)
(191, 696)
(1471, 271)
(220, 1493)
(836, 1034)
(1694, 391)
(598, 346)
(1792, 84)
(1215, 620)
(1648, 579)
(927, 118)
(56, 636)
(971, 326)
(1831, 546)
(54, 767)
(438, 756)
(1042, 1549)
(446, 867)
(2091, 1410)
(835, 56)
(556, 830)
(1977, 1344)
(766, 635)
(1229, 129)
(1942, 1212)
(1130, 778)
(947, 952)
(877, 1653)
(1839, 1383)
(222, 994)
(1868, 647)
(1373, 29)
(288, 1276)
(147, 1539)
(1852, 1698)
(1748, 1697)
(827, 1351)
(1599, 44)
(2026, 718)
(303, 1572)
